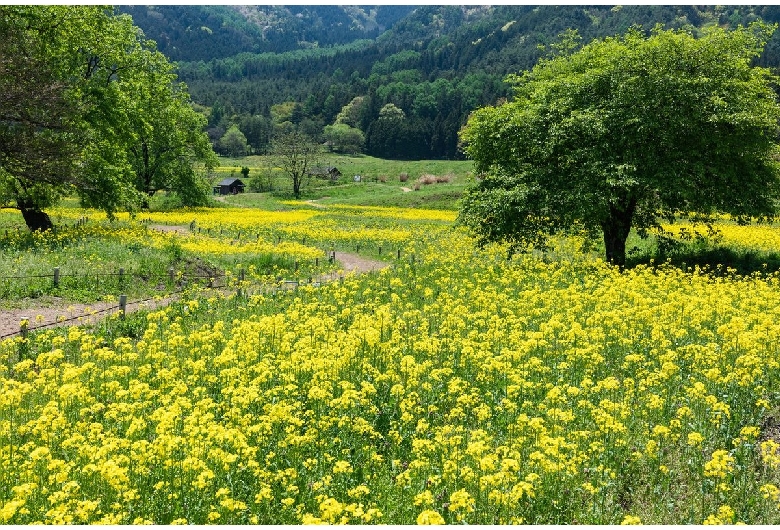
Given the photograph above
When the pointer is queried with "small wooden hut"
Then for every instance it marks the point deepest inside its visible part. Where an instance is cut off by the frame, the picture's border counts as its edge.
(229, 186)
(330, 172)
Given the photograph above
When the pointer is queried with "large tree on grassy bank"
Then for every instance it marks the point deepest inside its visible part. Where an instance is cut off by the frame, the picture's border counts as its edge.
(40, 134)
(88, 106)
(624, 132)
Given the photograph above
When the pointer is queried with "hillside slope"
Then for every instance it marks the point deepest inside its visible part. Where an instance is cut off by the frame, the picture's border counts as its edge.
(257, 67)
(192, 33)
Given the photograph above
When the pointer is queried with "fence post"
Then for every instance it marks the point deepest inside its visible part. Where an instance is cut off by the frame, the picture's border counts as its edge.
(399, 253)
(240, 280)
(56, 276)
(380, 250)
(121, 276)
(122, 305)
(171, 274)
(24, 327)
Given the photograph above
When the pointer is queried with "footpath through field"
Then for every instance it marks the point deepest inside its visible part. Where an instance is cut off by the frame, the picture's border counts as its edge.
(59, 313)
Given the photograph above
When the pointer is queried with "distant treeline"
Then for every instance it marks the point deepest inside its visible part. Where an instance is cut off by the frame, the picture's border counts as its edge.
(436, 65)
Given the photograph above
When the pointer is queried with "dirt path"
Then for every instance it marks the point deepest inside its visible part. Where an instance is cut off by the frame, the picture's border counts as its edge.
(182, 230)
(355, 263)
(55, 312)
(59, 314)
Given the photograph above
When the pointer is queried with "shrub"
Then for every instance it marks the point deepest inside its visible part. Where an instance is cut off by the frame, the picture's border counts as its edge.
(427, 179)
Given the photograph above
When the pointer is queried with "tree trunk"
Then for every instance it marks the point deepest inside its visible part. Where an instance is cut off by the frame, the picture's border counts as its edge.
(35, 218)
(616, 229)
(297, 187)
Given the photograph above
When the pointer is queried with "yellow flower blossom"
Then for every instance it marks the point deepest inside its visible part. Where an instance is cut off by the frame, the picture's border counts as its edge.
(429, 517)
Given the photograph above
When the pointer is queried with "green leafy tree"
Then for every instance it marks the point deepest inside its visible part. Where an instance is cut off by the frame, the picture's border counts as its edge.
(40, 117)
(167, 148)
(623, 133)
(350, 113)
(111, 125)
(233, 142)
(287, 111)
(258, 130)
(344, 139)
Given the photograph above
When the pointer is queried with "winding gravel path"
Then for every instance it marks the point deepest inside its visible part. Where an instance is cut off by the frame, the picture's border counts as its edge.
(56, 312)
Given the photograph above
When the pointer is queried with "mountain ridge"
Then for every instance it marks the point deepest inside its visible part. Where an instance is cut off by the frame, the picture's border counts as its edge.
(193, 33)
(434, 64)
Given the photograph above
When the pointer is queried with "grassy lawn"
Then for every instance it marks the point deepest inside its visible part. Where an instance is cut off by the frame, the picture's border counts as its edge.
(380, 183)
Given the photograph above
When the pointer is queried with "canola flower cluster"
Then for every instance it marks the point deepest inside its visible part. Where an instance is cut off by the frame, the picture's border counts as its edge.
(94, 251)
(760, 237)
(201, 243)
(338, 225)
(461, 388)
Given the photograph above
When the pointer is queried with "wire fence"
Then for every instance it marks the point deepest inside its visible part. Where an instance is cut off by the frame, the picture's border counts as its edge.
(171, 274)
(180, 280)
(24, 327)
(218, 280)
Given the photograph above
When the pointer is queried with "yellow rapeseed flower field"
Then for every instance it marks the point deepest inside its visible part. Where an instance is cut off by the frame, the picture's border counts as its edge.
(458, 387)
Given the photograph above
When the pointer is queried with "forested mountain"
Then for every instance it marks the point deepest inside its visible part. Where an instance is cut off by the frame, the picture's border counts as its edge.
(394, 81)
(192, 33)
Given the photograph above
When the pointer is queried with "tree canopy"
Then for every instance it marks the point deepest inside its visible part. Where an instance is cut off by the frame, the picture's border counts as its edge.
(624, 132)
(91, 108)
(233, 142)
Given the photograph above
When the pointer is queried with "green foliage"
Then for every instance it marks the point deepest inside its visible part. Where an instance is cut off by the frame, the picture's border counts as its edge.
(233, 143)
(41, 132)
(342, 138)
(187, 34)
(94, 109)
(435, 63)
(624, 132)
(380, 184)
(350, 113)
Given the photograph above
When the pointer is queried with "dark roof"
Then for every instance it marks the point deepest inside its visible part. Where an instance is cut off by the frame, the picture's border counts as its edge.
(230, 181)
(323, 170)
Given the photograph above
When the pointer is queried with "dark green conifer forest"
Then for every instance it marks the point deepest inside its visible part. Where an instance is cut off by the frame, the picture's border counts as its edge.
(269, 69)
